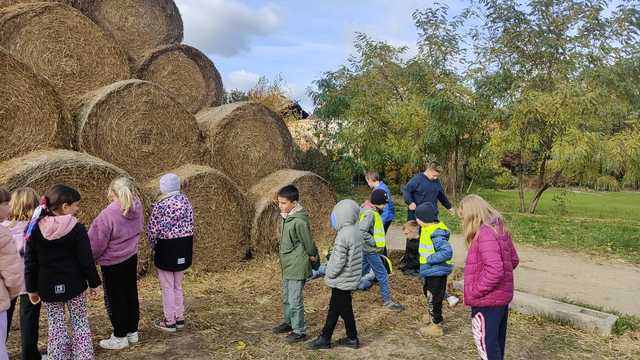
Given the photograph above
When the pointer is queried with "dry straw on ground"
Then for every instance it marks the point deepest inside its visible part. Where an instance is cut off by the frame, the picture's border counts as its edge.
(32, 114)
(135, 125)
(64, 46)
(221, 213)
(137, 25)
(315, 195)
(245, 140)
(42, 169)
(186, 73)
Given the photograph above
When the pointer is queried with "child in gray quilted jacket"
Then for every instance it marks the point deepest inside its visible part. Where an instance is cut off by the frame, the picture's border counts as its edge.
(343, 272)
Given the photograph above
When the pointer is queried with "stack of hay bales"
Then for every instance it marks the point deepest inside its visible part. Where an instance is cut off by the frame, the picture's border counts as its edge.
(97, 89)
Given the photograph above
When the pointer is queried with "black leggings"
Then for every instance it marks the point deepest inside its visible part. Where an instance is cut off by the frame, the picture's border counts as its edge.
(340, 306)
(121, 296)
(435, 289)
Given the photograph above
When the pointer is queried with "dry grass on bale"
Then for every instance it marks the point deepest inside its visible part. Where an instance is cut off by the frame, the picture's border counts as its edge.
(42, 169)
(139, 26)
(221, 213)
(64, 46)
(246, 141)
(6, 3)
(186, 73)
(316, 196)
(136, 126)
(32, 114)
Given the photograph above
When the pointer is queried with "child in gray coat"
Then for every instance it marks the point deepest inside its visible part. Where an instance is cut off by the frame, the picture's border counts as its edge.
(343, 273)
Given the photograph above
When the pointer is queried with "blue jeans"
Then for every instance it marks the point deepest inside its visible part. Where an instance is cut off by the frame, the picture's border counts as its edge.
(374, 261)
(489, 327)
(293, 304)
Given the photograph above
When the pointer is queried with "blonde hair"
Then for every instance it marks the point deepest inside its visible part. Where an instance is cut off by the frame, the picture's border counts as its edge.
(476, 211)
(23, 201)
(123, 189)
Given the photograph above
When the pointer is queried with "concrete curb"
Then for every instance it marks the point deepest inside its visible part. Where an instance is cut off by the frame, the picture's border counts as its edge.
(579, 317)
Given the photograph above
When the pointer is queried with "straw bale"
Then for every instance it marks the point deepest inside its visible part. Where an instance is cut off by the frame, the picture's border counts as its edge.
(64, 46)
(139, 26)
(186, 73)
(316, 196)
(222, 215)
(135, 125)
(7, 3)
(246, 141)
(32, 114)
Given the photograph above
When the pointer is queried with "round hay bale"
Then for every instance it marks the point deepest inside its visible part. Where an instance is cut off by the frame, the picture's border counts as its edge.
(316, 196)
(6, 3)
(135, 125)
(137, 25)
(221, 213)
(42, 169)
(245, 140)
(64, 46)
(32, 114)
(186, 73)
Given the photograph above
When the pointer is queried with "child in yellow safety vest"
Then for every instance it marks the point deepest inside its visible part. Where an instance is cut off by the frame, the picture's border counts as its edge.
(435, 258)
(372, 230)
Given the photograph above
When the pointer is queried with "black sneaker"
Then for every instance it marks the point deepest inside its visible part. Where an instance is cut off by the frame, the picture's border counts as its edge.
(282, 329)
(294, 338)
(180, 324)
(319, 343)
(347, 342)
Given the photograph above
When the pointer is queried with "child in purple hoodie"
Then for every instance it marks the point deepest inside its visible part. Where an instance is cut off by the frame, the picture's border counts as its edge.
(488, 274)
(114, 236)
(170, 233)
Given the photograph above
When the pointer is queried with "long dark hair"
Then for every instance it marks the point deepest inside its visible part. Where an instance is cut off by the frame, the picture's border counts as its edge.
(53, 199)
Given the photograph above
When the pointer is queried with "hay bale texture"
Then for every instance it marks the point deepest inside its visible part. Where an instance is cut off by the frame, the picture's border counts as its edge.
(186, 73)
(222, 215)
(6, 3)
(32, 114)
(245, 140)
(135, 125)
(316, 196)
(64, 46)
(42, 169)
(139, 26)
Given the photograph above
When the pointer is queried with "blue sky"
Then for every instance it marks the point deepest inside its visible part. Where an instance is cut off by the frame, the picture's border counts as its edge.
(295, 38)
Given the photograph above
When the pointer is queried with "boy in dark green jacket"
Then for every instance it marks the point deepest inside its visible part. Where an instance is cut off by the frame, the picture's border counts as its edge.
(297, 252)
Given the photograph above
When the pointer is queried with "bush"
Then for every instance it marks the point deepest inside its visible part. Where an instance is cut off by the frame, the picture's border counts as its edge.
(607, 183)
(506, 181)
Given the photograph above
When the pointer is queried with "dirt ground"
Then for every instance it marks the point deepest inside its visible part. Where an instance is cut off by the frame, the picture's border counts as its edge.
(230, 315)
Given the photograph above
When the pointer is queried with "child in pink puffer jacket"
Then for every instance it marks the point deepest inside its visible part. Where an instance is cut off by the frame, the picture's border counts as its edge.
(488, 274)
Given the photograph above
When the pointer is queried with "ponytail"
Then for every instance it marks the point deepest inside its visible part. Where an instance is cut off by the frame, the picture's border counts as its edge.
(122, 188)
(52, 201)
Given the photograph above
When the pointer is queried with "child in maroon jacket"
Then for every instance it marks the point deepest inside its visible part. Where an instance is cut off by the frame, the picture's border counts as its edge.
(488, 274)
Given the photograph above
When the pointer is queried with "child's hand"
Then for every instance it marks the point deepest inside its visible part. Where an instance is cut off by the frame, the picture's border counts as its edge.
(34, 298)
(93, 294)
(412, 206)
(453, 211)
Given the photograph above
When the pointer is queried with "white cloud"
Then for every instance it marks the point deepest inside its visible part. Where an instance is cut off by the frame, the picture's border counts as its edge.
(241, 80)
(226, 27)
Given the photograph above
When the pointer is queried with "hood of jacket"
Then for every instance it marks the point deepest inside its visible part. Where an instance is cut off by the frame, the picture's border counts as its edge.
(134, 212)
(55, 227)
(345, 213)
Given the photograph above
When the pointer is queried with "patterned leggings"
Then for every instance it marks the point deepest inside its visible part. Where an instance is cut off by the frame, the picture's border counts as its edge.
(59, 346)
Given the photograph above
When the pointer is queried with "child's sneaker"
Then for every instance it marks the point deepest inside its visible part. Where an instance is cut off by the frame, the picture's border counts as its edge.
(164, 326)
(433, 330)
(453, 301)
(114, 343)
(133, 337)
(180, 324)
(393, 306)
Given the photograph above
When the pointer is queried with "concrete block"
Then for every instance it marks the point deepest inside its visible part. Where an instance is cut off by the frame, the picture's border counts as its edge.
(579, 317)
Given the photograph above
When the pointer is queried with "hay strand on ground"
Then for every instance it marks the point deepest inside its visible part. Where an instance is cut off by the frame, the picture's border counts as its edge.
(246, 141)
(186, 73)
(137, 25)
(32, 114)
(64, 46)
(316, 196)
(135, 125)
(222, 215)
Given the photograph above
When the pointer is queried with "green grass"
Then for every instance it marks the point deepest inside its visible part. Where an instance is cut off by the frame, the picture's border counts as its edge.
(600, 223)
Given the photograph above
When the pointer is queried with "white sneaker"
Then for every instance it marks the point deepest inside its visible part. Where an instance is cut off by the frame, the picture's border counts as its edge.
(44, 357)
(133, 338)
(114, 343)
(453, 300)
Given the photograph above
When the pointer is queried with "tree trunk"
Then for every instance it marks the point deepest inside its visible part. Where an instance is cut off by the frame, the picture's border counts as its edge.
(521, 189)
(536, 199)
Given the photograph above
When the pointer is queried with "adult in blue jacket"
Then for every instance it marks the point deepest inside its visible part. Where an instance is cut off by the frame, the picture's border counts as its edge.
(425, 187)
